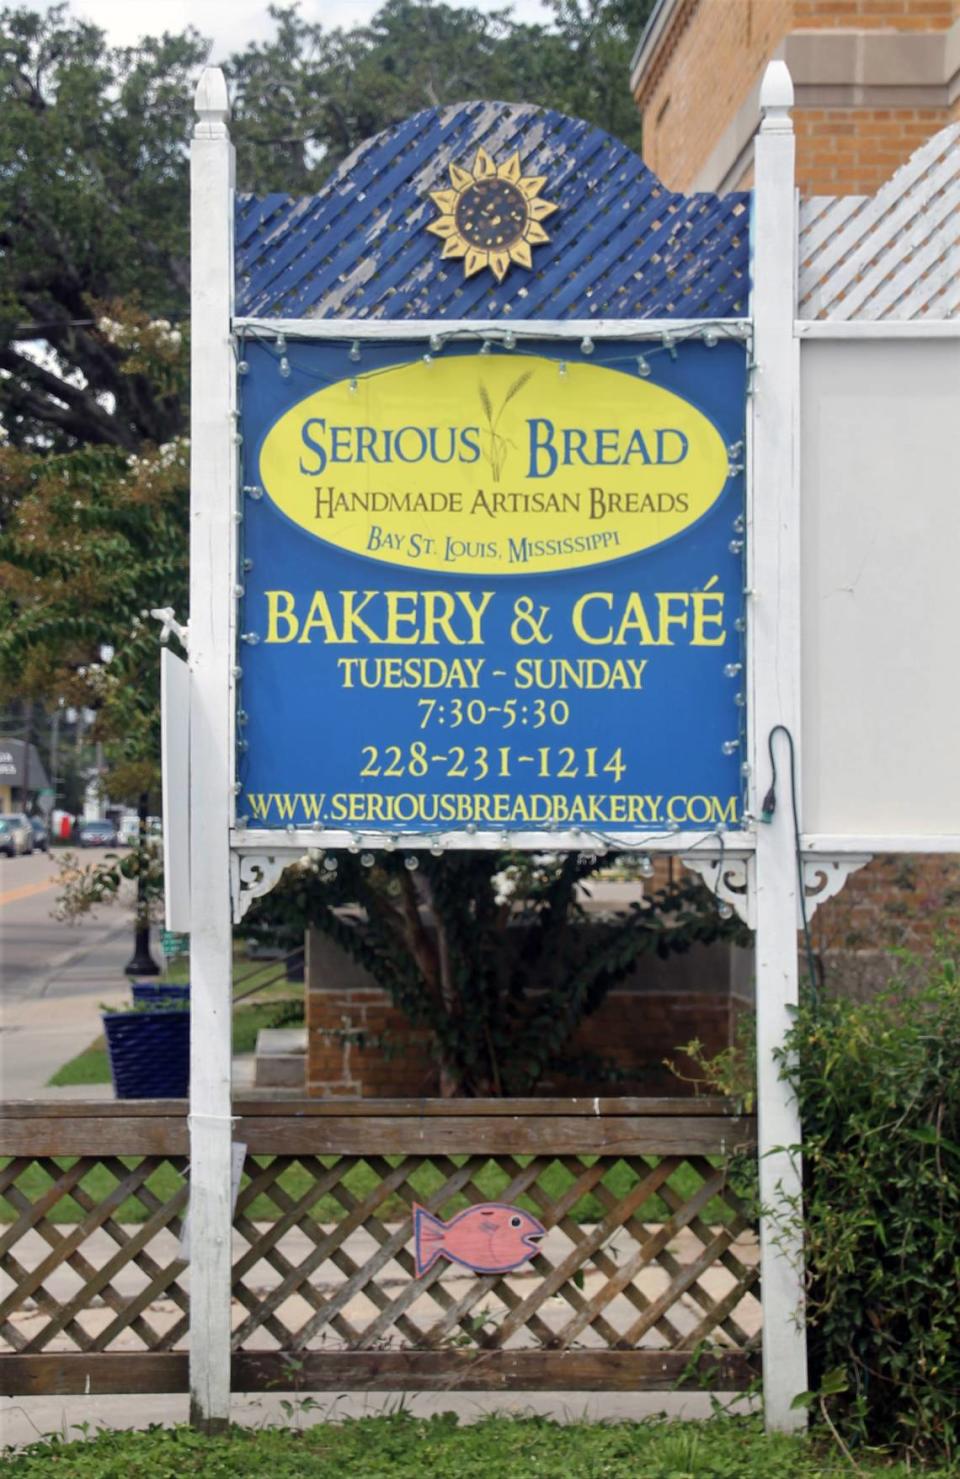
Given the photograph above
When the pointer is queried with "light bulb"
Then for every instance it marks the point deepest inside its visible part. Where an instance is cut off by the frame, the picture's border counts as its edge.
(586, 345)
(367, 860)
(355, 350)
(411, 863)
(643, 366)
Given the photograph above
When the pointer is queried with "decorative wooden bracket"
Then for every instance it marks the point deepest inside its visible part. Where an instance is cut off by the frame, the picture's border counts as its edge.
(825, 876)
(731, 880)
(252, 875)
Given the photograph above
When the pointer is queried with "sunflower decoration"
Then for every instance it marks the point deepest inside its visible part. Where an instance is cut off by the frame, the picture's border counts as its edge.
(491, 216)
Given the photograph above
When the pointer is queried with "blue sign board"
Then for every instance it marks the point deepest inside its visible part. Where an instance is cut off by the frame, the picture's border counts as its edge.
(490, 589)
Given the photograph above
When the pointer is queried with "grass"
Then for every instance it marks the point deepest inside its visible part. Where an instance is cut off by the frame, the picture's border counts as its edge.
(34, 1182)
(499, 1447)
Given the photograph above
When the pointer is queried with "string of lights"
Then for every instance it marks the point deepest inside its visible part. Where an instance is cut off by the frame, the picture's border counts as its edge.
(661, 342)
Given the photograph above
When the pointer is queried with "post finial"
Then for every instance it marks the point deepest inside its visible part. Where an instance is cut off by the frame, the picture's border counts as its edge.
(776, 98)
(211, 103)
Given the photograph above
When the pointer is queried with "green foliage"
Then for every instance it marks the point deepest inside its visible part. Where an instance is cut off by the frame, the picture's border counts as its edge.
(86, 887)
(90, 539)
(879, 1090)
(494, 953)
(308, 97)
(93, 206)
(405, 1447)
(878, 1085)
(94, 193)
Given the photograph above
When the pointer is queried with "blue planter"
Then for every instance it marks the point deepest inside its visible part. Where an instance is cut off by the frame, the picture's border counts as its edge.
(153, 991)
(149, 1053)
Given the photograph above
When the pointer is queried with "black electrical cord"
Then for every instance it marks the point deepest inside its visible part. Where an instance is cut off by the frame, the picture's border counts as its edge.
(767, 810)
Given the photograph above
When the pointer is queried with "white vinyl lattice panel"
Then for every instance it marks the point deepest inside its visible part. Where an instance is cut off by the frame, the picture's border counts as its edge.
(893, 255)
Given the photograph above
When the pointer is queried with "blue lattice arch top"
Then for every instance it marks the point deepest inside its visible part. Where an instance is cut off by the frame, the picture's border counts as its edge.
(621, 245)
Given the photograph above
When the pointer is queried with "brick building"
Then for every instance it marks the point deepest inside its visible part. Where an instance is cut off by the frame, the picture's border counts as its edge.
(873, 79)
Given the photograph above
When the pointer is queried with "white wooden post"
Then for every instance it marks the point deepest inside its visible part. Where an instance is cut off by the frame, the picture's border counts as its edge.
(774, 543)
(213, 497)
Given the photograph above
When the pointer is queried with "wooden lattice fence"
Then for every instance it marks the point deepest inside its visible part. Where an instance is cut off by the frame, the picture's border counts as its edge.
(648, 1275)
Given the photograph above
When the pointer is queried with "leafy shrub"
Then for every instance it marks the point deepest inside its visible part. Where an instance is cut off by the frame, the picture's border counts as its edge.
(878, 1085)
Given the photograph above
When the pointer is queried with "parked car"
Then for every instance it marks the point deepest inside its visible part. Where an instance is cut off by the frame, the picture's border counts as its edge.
(19, 823)
(8, 841)
(41, 837)
(96, 834)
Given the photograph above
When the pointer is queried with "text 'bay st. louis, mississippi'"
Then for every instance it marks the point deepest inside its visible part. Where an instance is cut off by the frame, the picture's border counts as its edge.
(492, 591)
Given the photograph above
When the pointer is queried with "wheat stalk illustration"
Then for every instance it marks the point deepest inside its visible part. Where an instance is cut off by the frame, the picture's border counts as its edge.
(498, 444)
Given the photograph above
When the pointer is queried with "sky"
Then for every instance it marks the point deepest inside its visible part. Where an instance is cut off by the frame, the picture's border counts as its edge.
(232, 23)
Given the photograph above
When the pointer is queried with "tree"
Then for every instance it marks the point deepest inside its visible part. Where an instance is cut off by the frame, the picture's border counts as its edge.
(308, 97)
(93, 208)
(493, 953)
(91, 538)
(94, 191)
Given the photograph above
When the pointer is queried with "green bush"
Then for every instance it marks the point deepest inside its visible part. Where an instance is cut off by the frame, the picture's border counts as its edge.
(878, 1085)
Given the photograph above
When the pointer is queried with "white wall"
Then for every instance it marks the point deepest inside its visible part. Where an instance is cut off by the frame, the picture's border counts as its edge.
(880, 449)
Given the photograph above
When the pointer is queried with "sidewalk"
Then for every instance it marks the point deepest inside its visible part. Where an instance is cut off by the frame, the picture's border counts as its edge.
(24, 1419)
(60, 1017)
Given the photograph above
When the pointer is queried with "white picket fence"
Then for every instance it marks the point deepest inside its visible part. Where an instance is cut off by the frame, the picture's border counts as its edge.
(893, 255)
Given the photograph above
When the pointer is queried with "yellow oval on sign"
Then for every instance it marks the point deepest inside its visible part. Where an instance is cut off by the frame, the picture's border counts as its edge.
(494, 465)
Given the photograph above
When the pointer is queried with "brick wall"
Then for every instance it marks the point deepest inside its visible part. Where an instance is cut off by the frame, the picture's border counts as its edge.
(842, 151)
(707, 67)
(895, 904)
(863, 15)
(711, 56)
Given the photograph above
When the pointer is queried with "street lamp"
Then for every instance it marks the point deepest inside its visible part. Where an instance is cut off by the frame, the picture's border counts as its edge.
(142, 963)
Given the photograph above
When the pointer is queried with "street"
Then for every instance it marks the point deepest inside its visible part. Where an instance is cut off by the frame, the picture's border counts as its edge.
(53, 975)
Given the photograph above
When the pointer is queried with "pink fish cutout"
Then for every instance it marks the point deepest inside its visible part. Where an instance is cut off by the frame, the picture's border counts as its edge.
(491, 1238)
